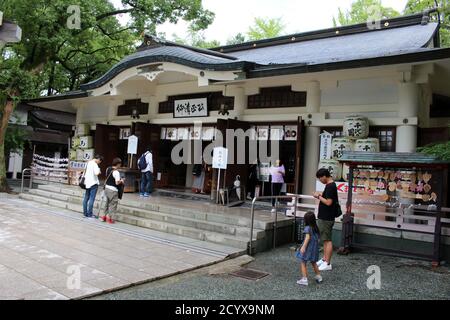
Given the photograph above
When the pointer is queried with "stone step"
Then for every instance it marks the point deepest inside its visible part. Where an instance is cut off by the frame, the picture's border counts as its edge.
(198, 221)
(203, 235)
(209, 236)
(242, 221)
(193, 223)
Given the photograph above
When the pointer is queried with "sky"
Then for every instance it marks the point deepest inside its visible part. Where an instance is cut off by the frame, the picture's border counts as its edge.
(236, 16)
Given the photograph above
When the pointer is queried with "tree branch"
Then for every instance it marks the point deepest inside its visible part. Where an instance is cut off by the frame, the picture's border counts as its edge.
(113, 13)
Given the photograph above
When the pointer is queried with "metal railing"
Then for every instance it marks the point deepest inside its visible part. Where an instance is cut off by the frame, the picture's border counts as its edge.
(23, 178)
(294, 197)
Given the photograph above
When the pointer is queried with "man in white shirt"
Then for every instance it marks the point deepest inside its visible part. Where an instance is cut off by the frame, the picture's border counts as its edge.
(147, 175)
(91, 180)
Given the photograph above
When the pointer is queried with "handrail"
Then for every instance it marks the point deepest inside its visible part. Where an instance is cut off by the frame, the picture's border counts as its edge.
(296, 196)
(23, 178)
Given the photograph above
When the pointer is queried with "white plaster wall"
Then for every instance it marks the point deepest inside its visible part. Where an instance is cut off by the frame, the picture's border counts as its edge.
(95, 111)
(361, 92)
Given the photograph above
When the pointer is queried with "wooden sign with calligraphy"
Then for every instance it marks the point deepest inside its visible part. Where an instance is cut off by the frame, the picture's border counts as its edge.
(191, 108)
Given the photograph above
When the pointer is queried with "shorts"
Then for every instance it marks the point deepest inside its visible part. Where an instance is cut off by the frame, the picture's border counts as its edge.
(326, 229)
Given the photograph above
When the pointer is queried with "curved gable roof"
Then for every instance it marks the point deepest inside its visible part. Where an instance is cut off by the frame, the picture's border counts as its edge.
(365, 45)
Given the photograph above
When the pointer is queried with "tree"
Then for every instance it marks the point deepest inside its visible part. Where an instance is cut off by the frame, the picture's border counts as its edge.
(364, 11)
(196, 39)
(237, 39)
(265, 29)
(417, 6)
(61, 48)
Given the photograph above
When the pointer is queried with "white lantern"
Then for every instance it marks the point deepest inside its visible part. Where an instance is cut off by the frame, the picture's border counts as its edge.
(356, 127)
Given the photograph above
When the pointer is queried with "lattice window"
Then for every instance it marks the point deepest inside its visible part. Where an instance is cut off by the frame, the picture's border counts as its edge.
(277, 97)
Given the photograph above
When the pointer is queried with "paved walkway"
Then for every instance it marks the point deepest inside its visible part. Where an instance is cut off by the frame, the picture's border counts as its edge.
(43, 250)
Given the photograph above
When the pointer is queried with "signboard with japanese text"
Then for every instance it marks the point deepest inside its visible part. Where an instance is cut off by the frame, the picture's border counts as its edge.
(325, 146)
(264, 172)
(132, 144)
(220, 158)
(191, 108)
(290, 133)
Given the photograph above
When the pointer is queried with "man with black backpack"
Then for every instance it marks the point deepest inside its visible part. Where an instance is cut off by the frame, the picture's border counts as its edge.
(145, 164)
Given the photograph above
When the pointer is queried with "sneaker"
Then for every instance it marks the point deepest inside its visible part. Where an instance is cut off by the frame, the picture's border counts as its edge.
(273, 211)
(325, 267)
(146, 195)
(302, 282)
(141, 194)
(320, 262)
(318, 279)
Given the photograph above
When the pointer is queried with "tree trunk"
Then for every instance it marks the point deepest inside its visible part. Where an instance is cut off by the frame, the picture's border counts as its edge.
(7, 111)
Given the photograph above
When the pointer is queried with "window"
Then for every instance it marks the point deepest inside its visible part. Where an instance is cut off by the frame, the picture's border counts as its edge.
(127, 108)
(277, 97)
(386, 135)
(215, 100)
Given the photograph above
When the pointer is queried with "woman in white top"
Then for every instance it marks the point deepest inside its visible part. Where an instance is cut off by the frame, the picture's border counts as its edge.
(91, 180)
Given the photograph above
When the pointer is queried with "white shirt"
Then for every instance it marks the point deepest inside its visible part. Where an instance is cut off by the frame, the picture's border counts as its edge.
(149, 160)
(116, 176)
(91, 175)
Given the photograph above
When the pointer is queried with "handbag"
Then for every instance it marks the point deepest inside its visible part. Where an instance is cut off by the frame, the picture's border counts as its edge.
(81, 181)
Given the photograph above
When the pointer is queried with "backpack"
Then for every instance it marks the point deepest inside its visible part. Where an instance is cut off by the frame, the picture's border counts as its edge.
(142, 162)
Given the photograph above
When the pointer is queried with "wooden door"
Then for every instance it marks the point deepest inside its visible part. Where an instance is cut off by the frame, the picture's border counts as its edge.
(148, 135)
(106, 144)
(235, 169)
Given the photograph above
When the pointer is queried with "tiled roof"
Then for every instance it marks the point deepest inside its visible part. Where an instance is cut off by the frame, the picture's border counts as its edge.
(396, 158)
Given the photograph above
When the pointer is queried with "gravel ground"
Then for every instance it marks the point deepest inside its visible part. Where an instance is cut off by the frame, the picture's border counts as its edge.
(400, 279)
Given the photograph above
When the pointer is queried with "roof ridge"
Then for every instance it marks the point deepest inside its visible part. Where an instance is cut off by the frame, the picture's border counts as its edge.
(151, 41)
(401, 21)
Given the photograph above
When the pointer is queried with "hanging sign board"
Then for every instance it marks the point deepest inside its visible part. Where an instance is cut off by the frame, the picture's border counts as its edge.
(220, 158)
(132, 144)
(290, 133)
(325, 145)
(264, 172)
(191, 108)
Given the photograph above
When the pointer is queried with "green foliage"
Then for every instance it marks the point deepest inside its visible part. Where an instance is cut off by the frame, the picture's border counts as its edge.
(196, 39)
(237, 39)
(65, 57)
(440, 150)
(265, 29)
(16, 139)
(364, 11)
(417, 6)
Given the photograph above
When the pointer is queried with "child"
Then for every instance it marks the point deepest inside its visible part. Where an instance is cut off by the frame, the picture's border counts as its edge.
(309, 251)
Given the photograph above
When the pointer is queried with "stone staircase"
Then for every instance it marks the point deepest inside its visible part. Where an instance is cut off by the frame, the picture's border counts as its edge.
(222, 226)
